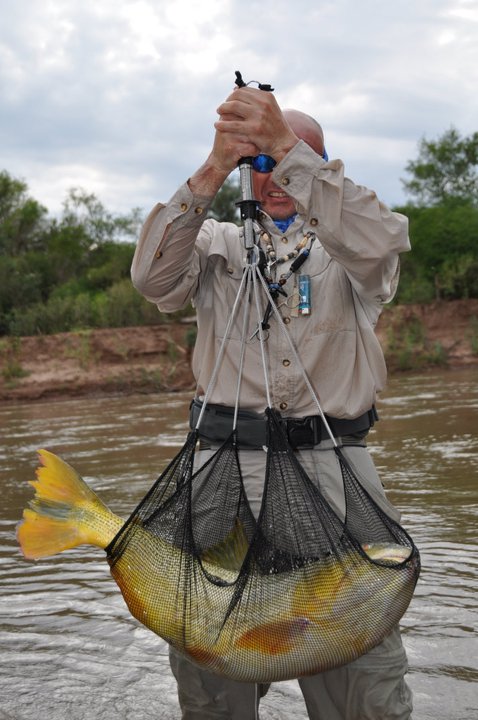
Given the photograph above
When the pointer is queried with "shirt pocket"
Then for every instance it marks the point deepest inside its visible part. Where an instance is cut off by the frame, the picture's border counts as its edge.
(227, 283)
(332, 307)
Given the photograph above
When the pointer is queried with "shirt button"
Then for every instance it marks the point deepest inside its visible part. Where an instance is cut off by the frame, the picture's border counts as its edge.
(230, 270)
(184, 207)
(198, 210)
(286, 363)
(314, 221)
(158, 254)
(287, 320)
(285, 181)
(283, 406)
(284, 240)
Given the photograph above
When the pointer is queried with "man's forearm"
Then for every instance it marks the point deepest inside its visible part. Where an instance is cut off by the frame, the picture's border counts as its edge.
(207, 180)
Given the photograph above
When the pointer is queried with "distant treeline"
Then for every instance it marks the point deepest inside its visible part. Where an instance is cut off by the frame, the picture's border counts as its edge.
(72, 272)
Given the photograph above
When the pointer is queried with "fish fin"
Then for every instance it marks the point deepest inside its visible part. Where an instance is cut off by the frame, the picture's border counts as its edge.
(64, 512)
(231, 552)
(274, 638)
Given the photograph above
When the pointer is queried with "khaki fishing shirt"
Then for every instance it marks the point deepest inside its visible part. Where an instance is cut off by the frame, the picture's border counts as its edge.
(353, 268)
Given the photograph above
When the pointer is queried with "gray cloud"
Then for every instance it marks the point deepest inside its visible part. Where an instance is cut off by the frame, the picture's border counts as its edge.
(120, 97)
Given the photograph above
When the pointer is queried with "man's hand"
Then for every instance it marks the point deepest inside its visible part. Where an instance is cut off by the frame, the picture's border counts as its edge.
(229, 147)
(251, 122)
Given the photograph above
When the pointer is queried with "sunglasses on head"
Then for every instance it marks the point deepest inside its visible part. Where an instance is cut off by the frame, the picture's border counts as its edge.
(266, 163)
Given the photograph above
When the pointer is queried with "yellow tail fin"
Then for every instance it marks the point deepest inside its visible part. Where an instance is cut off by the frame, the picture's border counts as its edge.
(64, 513)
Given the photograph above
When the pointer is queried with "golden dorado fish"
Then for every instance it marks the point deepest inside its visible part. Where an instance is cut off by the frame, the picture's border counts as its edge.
(322, 614)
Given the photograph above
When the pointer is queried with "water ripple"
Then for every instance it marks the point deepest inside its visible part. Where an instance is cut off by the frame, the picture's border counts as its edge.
(70, 648)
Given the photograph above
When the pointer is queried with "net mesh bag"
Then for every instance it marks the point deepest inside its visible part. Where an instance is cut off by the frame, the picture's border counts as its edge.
(294, 592)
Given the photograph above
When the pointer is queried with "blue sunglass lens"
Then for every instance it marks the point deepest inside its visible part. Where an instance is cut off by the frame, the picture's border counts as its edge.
(263, 163)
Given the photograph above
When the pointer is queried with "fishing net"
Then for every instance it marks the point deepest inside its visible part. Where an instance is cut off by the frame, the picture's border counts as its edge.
(299, 589)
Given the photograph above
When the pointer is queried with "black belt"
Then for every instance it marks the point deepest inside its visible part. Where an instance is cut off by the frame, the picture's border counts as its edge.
(216, 426)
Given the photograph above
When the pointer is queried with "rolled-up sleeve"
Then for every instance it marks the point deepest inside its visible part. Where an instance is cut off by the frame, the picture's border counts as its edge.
(356, 229)
(166, 265)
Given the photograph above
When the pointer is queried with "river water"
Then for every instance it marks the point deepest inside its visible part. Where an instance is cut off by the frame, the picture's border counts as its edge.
(69, 650)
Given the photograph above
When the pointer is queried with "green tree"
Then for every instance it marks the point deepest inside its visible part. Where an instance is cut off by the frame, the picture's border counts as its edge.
(85, 211)
(110, 262)
(51, 270)
(443, 220)
(224, 208)
(22, 219)
(23, 222)
(443, 262)
(445, 170)
(84, 238)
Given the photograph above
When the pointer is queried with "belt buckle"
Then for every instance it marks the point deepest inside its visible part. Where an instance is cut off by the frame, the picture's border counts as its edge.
(302, 432)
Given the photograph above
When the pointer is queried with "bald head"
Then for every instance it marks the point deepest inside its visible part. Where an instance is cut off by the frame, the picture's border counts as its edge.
(306, 129)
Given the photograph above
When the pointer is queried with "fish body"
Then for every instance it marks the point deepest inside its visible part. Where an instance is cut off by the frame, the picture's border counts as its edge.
(323, 614)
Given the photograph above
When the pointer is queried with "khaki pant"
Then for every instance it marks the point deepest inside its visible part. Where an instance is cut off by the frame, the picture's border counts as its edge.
(369, 688)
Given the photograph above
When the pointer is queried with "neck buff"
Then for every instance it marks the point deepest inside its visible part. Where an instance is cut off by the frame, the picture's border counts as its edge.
(284, 224)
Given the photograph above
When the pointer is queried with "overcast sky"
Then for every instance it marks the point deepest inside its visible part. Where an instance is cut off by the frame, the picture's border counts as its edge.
(119, 96)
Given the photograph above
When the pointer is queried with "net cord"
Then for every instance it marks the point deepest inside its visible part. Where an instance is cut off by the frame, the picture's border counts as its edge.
(251, 273)
(297, 359)
(248, 279)
(220, 355)
(262, 341)
(241, 358)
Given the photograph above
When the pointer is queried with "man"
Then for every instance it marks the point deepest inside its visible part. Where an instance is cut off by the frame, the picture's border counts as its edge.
(354, 243)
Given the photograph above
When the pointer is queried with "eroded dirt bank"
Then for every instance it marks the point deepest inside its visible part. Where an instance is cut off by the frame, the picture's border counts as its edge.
(153, 358)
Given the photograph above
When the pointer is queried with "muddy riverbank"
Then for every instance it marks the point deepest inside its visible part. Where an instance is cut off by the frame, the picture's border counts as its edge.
(157, 358)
